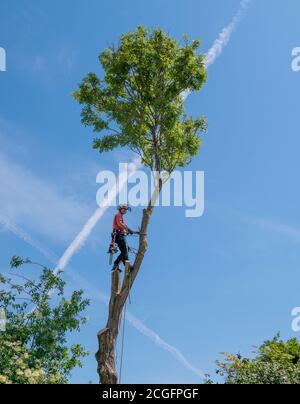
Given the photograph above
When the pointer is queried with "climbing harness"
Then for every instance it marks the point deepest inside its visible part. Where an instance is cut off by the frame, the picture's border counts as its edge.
(113, 247)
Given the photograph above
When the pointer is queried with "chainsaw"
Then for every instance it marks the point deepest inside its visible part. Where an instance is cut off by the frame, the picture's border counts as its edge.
(113, 249)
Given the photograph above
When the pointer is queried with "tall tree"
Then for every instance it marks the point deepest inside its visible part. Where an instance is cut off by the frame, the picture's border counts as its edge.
(139, 104)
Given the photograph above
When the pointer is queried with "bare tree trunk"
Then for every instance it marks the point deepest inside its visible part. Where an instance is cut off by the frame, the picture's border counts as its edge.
(107, 338)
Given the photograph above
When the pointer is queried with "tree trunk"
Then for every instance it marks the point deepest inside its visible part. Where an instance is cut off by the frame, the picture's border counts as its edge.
(107, 338)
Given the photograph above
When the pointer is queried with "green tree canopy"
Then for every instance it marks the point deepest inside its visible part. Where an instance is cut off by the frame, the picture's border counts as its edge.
(139, 103)
(33, 347)
(276, 362)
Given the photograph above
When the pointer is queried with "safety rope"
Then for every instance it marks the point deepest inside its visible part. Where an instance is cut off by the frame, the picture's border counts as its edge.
(133, 251)
(123, 342)
(124, 321)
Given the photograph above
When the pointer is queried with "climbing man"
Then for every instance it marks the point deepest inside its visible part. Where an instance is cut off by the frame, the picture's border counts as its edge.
(120, 231)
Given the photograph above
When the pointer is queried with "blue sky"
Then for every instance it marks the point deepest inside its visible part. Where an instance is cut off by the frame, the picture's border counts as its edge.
(222, 282)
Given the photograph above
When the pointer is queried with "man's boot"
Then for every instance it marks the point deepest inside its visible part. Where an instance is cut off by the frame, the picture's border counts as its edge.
(116, 268)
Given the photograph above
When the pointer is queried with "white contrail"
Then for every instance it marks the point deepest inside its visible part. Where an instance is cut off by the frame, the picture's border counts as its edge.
(222, 41)
(81, 238)
(143, 329)
(25, 237)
